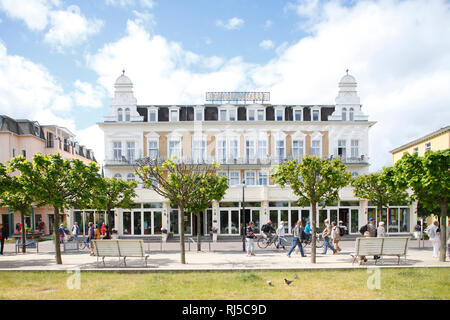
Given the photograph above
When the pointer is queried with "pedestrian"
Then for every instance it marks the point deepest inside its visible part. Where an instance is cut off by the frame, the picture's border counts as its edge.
(371, 227)
(299, 237)
(62, 233)
(280, 233)
(18, 227)
(96, 232)
(434, 233)
(3, 236)
(326, 233)
(106, 233)
(363, 258)
(41, 226)
(102, 229)
(308, 231)
(417, 231)
(268, 230)
(250, 238)
(381, 231)
(335, 236)
(343, 228)
(91, 237)
(75, 231)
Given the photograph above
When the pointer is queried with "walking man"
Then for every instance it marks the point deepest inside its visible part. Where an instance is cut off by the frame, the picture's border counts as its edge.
(298, 239)
(280, 233)
(435, 236)
(326, 233)
(250, 238)
(75, 231)
(91, 236)
(336, 236)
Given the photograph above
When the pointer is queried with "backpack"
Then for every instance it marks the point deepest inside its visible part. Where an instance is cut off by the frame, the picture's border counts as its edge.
(363, 229)
(265, 228)
(341, 231)
(96, 234)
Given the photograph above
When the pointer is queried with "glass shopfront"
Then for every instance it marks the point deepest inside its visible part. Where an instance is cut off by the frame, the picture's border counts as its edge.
(143, 219)
(230, 218)
(396, 219)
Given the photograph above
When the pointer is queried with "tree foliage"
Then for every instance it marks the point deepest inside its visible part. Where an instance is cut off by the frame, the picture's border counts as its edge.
(314, 181)
(429, 179)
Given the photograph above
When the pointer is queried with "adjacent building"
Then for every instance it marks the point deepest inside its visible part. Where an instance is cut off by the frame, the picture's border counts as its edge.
(27, 138)
(248, 136)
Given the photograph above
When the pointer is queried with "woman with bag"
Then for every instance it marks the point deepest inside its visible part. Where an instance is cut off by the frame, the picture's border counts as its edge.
(336, 236)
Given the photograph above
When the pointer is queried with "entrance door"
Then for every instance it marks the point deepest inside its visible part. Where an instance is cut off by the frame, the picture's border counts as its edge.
(5, 222)
(345, 218)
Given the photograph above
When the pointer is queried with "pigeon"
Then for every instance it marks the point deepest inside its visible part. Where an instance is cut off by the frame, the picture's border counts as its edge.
(269, 282)
(288, 282)
(295, 276)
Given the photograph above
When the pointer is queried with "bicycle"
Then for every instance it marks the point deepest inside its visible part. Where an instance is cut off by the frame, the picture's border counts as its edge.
(84, 245)
(319, 241)
(265, 241)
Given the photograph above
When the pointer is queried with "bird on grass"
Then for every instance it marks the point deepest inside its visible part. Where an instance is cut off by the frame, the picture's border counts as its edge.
(288, 282)
(269, 282)
(295, 276)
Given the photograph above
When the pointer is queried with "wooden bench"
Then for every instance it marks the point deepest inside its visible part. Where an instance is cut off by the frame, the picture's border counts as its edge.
(120, 248)
(393, 246)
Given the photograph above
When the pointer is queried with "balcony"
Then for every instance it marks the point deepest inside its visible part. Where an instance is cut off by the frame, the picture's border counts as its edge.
(361, 160)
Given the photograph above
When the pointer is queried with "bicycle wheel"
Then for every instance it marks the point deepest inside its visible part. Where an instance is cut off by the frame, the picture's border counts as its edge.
(263, 242)
(319, 242)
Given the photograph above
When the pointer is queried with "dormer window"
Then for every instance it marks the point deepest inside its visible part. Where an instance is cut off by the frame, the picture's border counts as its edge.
(351, 114)
(298, 113)
(315, 114)
(198, 114)
(127, 114)
(120, 115)
(256, 114)
(173, 114)
(152, 115)
(279, 114)
(227, 113)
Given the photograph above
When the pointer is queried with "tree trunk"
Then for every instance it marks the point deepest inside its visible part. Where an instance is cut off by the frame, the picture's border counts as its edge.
(443, 249)
(199, 236)
(181, 230)
(24, 231)
(313, 231)
(56, 233)
(110, 219)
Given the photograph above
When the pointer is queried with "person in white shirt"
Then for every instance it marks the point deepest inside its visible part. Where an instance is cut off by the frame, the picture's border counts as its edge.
(381, 232)
(75, 231)
(280, 233)
(435, 238)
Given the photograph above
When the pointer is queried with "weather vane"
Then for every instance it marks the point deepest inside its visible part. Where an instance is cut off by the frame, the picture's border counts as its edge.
(123, 72)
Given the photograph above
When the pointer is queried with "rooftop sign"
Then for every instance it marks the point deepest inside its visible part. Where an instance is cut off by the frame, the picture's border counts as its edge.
(238, 96)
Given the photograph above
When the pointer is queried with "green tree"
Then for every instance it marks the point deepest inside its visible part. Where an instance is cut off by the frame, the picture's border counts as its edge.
(61, 184)
(178, 182)
(16, 190)
(378, 188)
(213, 188)
(113, 193)
(429, 179)
(314, 181)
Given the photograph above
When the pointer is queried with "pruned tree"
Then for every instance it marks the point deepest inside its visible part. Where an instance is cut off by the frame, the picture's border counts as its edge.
(16, 190)
(213, 187)
(178, 182)
(61, 184)
(113, 193)
(314, 181)
(429, 179)
(378, 188)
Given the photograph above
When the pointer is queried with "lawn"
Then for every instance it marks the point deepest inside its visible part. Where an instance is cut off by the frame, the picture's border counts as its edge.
(411, 283)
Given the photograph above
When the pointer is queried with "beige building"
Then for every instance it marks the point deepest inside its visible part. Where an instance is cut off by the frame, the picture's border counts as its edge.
(27, 138)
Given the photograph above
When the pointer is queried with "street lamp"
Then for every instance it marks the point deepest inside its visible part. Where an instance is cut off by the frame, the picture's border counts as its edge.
(243, 216)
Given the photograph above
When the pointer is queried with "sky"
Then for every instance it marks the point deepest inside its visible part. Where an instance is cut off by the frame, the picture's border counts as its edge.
(59, 59)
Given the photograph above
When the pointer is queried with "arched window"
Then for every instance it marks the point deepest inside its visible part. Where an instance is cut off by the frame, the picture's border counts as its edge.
(118, 176)
(344, 114)
(119, 114)
(351, 114)
(130, 177)
(127, 114)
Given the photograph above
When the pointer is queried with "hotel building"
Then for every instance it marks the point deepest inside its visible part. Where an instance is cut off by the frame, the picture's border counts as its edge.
(27, 138)
(248, 139)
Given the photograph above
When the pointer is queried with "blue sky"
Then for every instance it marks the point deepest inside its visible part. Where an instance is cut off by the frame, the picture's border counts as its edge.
(59, 58)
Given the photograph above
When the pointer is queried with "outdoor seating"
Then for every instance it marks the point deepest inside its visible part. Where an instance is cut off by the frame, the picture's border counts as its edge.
(393, 246)
(120, 248)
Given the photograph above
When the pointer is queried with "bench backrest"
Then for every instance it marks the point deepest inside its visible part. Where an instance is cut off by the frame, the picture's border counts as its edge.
(106, 248)
(395, 246)
(131, 248)
(369, 246)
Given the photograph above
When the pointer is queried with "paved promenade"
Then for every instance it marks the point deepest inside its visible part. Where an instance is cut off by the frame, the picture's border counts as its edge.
(223, 256)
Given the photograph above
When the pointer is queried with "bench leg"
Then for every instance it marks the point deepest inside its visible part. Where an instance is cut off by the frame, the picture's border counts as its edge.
(103, 259)
(124, 261)
(146, 261)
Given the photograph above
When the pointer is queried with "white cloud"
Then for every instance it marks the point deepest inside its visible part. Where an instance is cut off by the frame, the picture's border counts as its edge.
(92, 137)
(124, 3)
(268, 24)
(232, 24)
(267, 44)
(69, 28)
(33, 12)
(86, 95)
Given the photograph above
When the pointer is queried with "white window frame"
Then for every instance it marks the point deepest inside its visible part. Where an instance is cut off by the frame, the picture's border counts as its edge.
(131, 177)
(229, 110)
(202, 155)
(174, 137)
(201, 110)
(230, 180)
(279, 109)
(342, 143)
(250, 156)
(118, 176)
(247, 172)
(354, 147)
(266, 177)
(427, 146)
(344, 114)
(174, 110)
(316, 108)
(316, 137)
(119, 114)
(255, 110)
(127, 116)
(119, 148)
(297, 110)
(277, 154)
(152, 110)
(129, 157)
(351, 114)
